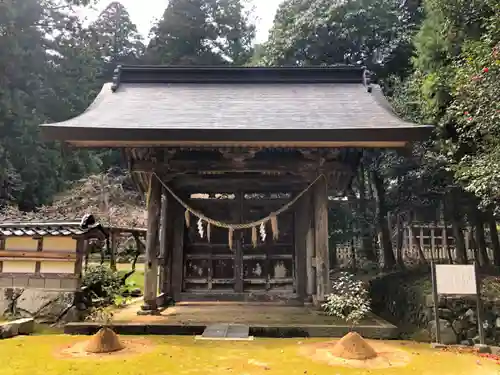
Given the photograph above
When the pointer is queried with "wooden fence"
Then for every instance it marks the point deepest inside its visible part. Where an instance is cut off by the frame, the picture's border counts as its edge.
(436, 243)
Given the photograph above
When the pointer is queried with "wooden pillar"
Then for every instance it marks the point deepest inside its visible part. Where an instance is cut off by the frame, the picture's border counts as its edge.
(81, 243)
(320, 198)
(163, 241)
(310, 250)
(177, 251)
(238, 246)
(169, 245)
(302, 225)
(152, 239)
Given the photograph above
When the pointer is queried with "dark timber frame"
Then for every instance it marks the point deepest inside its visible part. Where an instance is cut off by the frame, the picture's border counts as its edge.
(253, 150)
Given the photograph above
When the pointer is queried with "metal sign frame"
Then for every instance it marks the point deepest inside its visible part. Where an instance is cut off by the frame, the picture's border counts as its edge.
(435, 297)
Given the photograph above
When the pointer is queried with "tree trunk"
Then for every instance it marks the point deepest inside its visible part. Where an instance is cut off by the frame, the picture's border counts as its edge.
(399, 243)
(112, 251)
(495, 243)
(367, 249)
(458, 233)
(385, 235)
(482, 251)
(421, 255)
(140, 249)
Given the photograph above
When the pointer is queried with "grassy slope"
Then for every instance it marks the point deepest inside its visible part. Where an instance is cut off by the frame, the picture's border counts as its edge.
(183, 355)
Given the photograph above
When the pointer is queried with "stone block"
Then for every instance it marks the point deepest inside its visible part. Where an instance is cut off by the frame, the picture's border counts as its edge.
(482, 348)
(69, 284)
(26, 326)
(6, 282)
(448, 337)
(36, 282)
(52, 284)
(20, 282)
(8, 330)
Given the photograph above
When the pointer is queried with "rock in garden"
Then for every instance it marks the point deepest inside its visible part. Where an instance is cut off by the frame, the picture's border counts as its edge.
(136, 292)
(8, 330)
(26, 326)
(471, 333)
(467, 342)
(5, 302)
(72, 315)
(448, 337)
(445, 313)
(471, 315)
(44, 305)
(460, 325)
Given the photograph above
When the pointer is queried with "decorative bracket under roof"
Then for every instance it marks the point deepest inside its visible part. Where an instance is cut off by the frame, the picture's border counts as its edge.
(116, 78)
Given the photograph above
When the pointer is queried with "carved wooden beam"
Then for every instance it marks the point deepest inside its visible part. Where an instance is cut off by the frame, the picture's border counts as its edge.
(224, 166)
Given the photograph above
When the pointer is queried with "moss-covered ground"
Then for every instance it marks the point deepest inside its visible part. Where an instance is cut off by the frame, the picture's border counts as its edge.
(183, 355)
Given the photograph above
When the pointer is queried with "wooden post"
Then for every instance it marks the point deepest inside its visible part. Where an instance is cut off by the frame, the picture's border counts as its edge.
(177, 252)
(163, 241)
(479, 305)
(421, 240)
(310, 254)
(320, 198)
(434, 250)
(302, 224)
(169, 247)
(151, 271)
(435, 299)
(113, 250)
(80, 252)
(238, 253)
(410, 239)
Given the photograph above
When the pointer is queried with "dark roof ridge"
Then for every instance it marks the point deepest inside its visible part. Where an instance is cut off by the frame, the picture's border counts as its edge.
(236, 74)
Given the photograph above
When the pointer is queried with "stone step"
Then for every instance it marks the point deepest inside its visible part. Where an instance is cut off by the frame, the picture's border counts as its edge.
(226, 332)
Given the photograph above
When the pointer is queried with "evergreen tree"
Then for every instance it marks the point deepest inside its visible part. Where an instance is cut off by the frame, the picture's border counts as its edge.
(117, 38)
(202, 32)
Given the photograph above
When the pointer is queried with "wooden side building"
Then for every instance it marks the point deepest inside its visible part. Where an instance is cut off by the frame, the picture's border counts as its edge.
(216, 147)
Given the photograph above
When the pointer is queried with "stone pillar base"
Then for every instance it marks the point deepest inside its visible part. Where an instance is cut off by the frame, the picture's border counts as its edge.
(149, 308)
(148, 312)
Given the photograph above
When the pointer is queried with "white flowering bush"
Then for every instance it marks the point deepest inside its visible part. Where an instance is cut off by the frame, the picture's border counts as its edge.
(349, 299)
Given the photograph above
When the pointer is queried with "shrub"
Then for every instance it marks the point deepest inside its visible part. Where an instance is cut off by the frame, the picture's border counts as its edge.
(349, 299)
(102, 283)
(101, 315)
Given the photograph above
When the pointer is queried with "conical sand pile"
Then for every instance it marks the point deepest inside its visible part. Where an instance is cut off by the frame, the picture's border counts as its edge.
(353, 346)
(104, 341)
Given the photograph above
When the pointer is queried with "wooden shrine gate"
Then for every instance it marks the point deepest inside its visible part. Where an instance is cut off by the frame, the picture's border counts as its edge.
(213, 269)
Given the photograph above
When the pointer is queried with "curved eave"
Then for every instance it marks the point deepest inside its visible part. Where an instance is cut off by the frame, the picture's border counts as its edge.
(306, 115)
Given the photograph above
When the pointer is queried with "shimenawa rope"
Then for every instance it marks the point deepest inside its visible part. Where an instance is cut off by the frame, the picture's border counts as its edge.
(221, 224)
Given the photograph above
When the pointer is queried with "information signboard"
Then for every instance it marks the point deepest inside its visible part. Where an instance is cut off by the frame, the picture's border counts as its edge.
(456, 279)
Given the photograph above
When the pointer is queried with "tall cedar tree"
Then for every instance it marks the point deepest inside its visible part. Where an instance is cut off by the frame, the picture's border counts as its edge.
(202, 32)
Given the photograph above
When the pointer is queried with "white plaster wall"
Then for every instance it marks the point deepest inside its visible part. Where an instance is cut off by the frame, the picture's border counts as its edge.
(57, 267)
(18, 266)
(59, 244)
(21, 243)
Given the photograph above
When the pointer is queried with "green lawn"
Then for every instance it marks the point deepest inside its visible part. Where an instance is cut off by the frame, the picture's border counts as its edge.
(183, 356)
